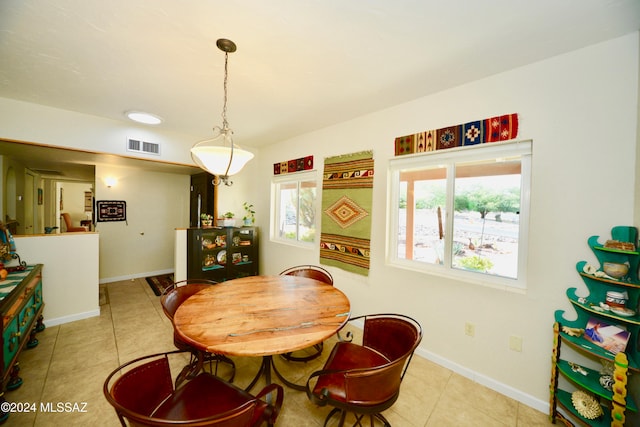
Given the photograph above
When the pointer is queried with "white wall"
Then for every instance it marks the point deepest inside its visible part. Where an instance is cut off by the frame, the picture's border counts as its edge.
(157, 204)
(69, 274)
(580, 110)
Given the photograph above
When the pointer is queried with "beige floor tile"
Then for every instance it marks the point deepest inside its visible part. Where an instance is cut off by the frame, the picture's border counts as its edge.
(71, 362)
(481, 398)
(454, 411)
(529, 417)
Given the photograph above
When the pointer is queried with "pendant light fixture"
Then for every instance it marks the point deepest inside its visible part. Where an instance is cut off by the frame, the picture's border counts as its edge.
(218, 155)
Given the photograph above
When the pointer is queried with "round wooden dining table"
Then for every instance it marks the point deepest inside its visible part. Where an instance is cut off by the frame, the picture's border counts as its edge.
(262, 316)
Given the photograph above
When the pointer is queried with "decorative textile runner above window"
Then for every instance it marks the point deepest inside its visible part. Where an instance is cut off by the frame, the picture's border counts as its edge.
(347, 189)
(295, 165)
(495, 129)
(111, 210)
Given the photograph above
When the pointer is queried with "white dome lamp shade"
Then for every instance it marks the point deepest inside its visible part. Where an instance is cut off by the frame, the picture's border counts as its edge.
(219, 155)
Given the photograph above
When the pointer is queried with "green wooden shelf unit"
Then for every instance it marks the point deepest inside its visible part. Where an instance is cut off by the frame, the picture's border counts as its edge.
(617, 403)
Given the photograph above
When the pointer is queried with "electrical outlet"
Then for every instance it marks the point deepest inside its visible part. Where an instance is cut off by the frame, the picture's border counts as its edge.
(515, 343)
(469, 329)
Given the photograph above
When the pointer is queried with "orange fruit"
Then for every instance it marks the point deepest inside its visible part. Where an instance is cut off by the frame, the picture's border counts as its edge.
(3, 274)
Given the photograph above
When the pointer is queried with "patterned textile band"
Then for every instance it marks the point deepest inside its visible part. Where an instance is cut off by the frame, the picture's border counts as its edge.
(494, 129)
(347, 188)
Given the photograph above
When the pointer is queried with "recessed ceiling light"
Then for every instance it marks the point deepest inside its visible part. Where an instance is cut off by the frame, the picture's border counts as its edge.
(142, 117)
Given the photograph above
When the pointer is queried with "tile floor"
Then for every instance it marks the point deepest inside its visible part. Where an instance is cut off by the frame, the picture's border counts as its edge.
(72, 360)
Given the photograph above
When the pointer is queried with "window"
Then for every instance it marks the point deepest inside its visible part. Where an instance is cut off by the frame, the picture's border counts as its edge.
(294, 208)
(462, 212)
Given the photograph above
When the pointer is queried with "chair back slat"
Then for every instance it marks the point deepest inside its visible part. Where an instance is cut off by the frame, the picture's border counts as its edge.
(141, 389)
(392, 336)
(310, 271)
(175, 297)
(374, 386)
(178, 293)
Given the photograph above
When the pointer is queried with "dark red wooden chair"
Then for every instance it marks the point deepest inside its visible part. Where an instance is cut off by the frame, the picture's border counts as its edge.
(365, 379)
(172, 297)
(142, 392)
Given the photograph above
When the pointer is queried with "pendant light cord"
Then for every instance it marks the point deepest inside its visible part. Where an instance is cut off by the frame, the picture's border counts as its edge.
(225, 123)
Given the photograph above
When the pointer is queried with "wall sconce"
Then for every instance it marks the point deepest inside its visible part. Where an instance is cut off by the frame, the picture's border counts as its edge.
(110, 181)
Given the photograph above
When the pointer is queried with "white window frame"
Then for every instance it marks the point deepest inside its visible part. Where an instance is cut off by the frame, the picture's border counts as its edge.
(297, 178)
(447, 158)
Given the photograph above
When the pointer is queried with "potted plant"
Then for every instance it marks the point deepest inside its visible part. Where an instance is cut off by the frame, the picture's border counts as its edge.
(249, 217)
(227, 219)
(206, 220)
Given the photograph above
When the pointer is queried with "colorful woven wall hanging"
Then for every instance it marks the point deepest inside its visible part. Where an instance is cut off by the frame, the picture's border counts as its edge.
(494, 129)
(111, 210)
(347, 191)
(296, 165)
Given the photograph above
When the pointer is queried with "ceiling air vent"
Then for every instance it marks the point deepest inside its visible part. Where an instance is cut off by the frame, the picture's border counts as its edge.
(140, 146)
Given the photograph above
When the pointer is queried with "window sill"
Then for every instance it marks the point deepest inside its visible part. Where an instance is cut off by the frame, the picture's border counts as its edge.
(488, 281)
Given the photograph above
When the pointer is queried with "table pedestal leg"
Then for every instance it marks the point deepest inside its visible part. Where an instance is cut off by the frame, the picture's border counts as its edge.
(193, 368)
(265, 369)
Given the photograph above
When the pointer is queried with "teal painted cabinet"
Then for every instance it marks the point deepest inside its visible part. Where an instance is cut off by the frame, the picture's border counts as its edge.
(21, 306)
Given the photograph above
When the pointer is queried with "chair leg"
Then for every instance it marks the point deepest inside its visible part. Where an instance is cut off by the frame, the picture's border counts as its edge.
(333, 412)
(359, 417)
(381, 418)
(216, 359)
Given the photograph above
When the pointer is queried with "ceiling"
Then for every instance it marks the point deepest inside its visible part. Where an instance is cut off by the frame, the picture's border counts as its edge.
(299, 66)
(74, 165)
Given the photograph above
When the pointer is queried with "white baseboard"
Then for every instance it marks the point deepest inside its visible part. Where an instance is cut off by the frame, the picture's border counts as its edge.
(134, 276)
(515, 394)
(66, 319)
(506, 390)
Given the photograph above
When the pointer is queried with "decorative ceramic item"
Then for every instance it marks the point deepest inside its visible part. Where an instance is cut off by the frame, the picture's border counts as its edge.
(616, 299)
(222, 257)
(209, 260)
(574, 332)
(589, 269)
(206, 220)
(606, 381)
(607, 367)
(586, 405)
(228, 220)
(623, 311)
(615, 270)
(249, 217)
(577, 368)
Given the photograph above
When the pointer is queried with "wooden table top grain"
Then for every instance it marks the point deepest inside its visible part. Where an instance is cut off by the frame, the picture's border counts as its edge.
(262, 315)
